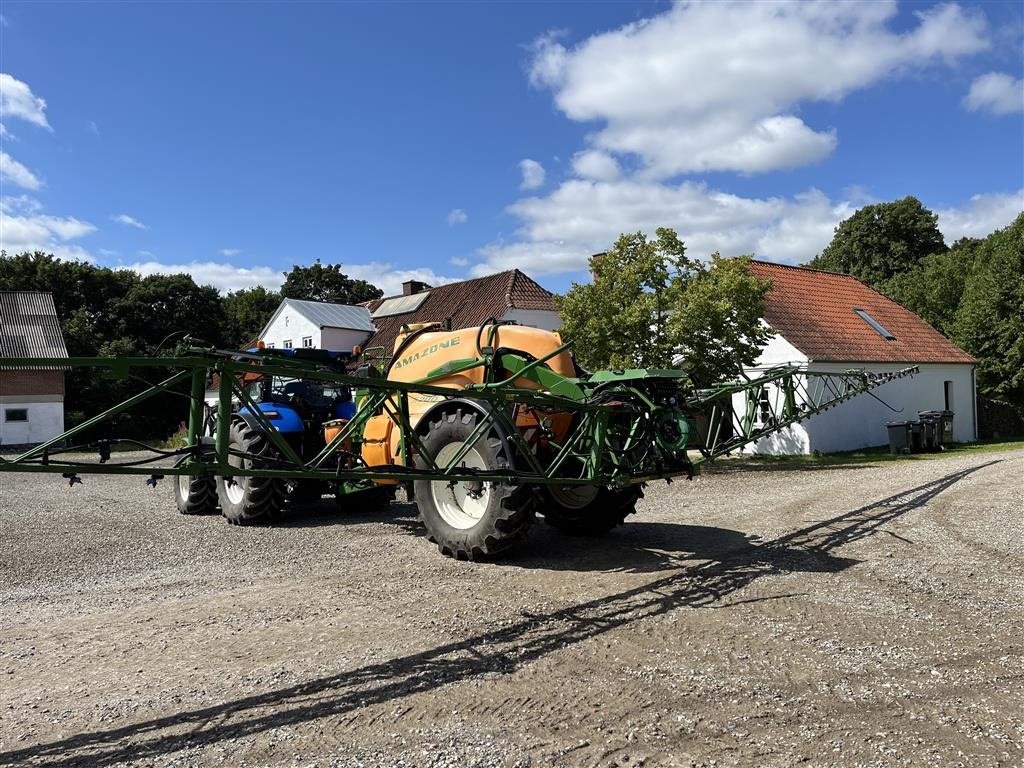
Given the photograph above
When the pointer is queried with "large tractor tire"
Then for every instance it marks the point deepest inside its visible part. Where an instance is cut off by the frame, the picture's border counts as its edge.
(470, 520)
(587, 510)
(249, 500)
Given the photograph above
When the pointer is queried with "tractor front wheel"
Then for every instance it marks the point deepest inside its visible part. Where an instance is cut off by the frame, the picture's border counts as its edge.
(470, 519)
(587, 510)
(249, 500)
(195, 495)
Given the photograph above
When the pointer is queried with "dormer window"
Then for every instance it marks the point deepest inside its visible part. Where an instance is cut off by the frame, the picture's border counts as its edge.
(882, 331)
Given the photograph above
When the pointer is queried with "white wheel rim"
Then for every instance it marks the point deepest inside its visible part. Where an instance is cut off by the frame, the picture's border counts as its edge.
(573, 496)
(457, 502)
(234, 487)
(184, 481)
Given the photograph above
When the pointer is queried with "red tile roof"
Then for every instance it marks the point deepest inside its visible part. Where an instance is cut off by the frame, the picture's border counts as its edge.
(814, 311)
(466, 304)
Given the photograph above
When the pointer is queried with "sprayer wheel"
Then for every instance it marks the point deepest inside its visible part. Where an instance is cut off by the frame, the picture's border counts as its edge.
(471, 520)
(587, 510)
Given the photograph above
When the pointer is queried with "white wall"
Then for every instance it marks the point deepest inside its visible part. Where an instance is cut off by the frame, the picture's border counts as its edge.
(45, 421)
(860, 422)
(290, 325)
(545, 319)
(339, 339)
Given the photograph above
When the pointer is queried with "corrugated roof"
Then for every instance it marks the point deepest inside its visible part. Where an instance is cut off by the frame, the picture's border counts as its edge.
(29, 325)
(815, 311)
(468, 303)
(325, 315)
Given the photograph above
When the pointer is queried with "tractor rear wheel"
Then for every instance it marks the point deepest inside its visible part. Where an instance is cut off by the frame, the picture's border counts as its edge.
(249, 500)
(587, 510)
(471, 520)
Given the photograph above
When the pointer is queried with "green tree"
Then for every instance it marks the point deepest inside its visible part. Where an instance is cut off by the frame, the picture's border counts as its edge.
(160, 310)
(619, 319)
(319, 282)
(934, 289)
(883, 240)
(716, 322)
(989, 322)
(248, 310)
(648, 304)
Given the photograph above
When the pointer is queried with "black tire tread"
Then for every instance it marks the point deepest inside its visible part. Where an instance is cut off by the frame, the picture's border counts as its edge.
(201, 498)
(497, 533)
(608, 511)
(264, 495)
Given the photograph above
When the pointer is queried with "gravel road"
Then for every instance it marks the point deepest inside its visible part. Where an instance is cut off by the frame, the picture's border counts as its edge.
(867, 615)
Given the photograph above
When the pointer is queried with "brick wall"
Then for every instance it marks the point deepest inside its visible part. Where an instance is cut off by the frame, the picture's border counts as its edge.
(21, 383)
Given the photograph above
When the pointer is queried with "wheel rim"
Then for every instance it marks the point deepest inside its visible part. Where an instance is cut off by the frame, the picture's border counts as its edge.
(184, 484)
(573, 496)
(460, 504)
(235, 487)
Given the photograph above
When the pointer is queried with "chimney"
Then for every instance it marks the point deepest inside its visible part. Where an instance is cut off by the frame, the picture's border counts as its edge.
(409, 287)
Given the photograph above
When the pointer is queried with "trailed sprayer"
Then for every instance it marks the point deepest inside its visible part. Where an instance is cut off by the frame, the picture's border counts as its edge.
(489, 428)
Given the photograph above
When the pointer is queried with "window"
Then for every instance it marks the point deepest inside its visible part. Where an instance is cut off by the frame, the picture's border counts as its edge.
(15, 414)
(287, 343)
(874, 324)
(307, 342)
(947, 387)
(270, 345)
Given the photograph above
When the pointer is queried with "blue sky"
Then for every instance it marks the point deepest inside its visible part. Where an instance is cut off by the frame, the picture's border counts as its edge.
(441, 141)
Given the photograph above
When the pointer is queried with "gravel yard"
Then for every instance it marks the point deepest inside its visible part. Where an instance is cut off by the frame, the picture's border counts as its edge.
(863, 615)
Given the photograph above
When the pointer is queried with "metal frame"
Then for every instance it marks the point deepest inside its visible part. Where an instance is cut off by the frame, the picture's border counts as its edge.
(609, 442)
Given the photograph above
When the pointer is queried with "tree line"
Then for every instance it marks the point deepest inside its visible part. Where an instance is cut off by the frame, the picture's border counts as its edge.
(107, 312)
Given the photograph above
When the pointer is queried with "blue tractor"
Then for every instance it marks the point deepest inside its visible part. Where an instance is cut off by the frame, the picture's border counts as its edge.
(297, 409)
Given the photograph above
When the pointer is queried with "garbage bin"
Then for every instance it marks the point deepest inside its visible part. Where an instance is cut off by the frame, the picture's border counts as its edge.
(916, 437)
(930, 433)
(944, 426)
(899, 437)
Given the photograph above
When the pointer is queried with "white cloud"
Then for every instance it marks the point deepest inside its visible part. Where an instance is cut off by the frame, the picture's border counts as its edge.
(229, 252)
(5, 134)
(24, 227)
(389, 278)
(560, 231)
(996, 92)
(581, 217)
(16, 173)
(457, 216)
(18, 101)
(92, 127)
(714, 86)
(128, 221)
(224, 277)
(980, 216)
(533, 174)
(596, 165)
(459, 261)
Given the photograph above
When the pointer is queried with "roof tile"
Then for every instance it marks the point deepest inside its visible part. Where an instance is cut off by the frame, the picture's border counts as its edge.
(814, 311)
(468, 303)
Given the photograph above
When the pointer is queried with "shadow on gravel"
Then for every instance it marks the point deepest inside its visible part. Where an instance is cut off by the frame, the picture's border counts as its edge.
(503, 650)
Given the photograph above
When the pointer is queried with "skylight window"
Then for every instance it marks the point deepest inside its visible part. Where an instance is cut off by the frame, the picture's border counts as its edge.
(882, 331)
(399, 305)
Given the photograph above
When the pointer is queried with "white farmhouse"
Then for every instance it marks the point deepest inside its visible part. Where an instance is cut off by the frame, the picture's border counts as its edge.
(831, 323)
(314, 324)
(31, 401)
